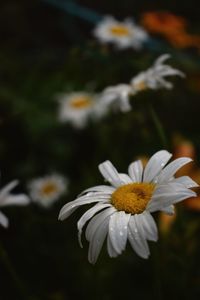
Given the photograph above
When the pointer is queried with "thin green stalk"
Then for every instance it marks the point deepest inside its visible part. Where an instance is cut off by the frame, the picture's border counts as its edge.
(159, 127)
(157, 274)
(12, 273)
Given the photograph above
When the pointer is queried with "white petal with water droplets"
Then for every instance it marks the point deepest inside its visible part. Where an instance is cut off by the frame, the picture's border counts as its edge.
(97, 241)
(149, 226)
(99, 188)
(118, 230)
(110, 173)
(110, 248)
(155, 165)
(96, 221)
(168, 194)
(70, 207)
(135, 170)
(186, 181)
(168, 172)
(137, 241)
(87, 216)
(125, 178)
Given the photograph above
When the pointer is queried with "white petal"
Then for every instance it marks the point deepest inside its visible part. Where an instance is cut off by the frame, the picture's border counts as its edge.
(96, 221)
(118, 230)
(169, 71)
(125, 104)
(169, 210)
(137, 241)
(6, 189)
(100, 188)
(168, 194)
(149, 226)
(110, 248)
(135, 170)
(186, 181)
(161, 59)
(125, 178)
(168, 172)
(70, 207)
(156, 164)
(110, 173)
(15, 200)
(87, 216)
(97, 241)
(3, 220)
(164, 83)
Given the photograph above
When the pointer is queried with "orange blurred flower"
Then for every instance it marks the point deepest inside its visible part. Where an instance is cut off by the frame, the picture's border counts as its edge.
(172, 27)
(186, 148)
(163, 22)
(184, 40)
(166, 222)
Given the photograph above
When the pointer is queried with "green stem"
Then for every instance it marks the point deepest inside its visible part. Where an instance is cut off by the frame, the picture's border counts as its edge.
(10, 270)
(158, 127)
(157, 274)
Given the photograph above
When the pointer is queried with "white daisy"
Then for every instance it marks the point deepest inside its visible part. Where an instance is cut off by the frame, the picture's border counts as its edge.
(46, 190)
(7, 199)
(154, 77)
(117, 96)
(78, 107)
(122, 34)
(123, 209)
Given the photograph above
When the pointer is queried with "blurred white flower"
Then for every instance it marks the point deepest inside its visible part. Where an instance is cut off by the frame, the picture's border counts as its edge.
(122, 34)
(47, 190)
(154, 77)
(79, 107)
(117, 97)
(7, 199)
(123, 209)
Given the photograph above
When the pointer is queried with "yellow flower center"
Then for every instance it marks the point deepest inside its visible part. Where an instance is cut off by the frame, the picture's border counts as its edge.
(132, 198)
(81, 102)
(119, 30)
(49, 189)
(140, 86)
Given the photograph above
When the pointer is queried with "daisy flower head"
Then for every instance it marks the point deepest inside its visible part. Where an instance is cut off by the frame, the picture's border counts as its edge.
(154, 77)
(47, 190)
(117, 97)
(123, 208)
(77, 108)
(7, 199)
(122, 34)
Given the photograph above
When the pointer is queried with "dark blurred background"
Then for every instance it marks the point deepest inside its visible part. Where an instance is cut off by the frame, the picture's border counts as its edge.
(45, 50)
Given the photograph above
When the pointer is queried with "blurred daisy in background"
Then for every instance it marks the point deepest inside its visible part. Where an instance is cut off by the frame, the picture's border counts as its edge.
(123, 209)
(122, 34)
(48, 189)
(78, 108)
(117, 97)
(7, 199)
(154, 77)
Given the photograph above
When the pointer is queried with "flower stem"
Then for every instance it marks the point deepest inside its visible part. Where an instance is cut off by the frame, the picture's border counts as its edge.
(12, 273)
(159, 127)
(156, 269)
